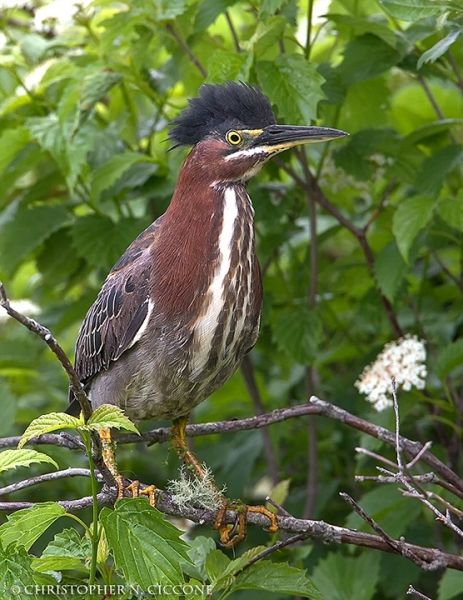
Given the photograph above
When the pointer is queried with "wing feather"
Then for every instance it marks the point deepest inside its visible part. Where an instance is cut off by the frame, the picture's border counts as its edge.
(115, 319)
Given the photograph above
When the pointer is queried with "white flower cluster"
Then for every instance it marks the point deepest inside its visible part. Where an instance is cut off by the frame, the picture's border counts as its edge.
(402, 359)
(58, 14)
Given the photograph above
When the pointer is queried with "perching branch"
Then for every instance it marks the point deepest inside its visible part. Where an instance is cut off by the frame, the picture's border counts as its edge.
(427, 558)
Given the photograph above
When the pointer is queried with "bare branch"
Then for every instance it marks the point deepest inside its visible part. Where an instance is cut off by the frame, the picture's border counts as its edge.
(47, 337)
(314, 530)
(26, 483)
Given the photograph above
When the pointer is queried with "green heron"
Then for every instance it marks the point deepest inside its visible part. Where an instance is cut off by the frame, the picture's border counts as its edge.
(182, 307)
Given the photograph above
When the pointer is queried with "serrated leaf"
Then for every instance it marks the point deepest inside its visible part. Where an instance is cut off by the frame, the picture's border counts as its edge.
(224, 66)
(208, 11)
(101, 241)
(107, 175)
(298, 332)
(339, 577)
(450, 585)
(25, 526)
(94, 88)
(438, 49)
(449, 358)
(294, 85)
(24, 228)
(146, 547)
(69, 543)
(414, 10)
(412, 215)
(11, 459)
(109, 416)
(390, 270)
(277, 578)
(49, 422)
(16, 570)
(268, 8)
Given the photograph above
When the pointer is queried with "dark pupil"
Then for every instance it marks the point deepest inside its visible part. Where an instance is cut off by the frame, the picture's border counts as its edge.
(234, 137)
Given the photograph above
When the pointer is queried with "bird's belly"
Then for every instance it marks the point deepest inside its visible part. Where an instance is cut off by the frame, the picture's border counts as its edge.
(166, 383)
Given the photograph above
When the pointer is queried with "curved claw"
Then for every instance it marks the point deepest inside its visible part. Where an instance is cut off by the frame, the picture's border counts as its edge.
(232, 535)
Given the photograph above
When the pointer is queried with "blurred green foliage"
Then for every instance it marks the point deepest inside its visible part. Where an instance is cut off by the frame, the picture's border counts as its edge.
(85, 101)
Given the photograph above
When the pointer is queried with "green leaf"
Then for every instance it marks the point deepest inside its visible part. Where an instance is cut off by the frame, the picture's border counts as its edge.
(49, 422)
(101, 241)
(208, 11)
(294, 85)
(450, 585)
(451, 211)
(341, 577)
(438, 49)
(449, 358)
(413, 10)
(223, 66)
(430, 176)
(68, 543)
(146, 547)
(268, 8)
(11, 142)
(8, 401)
(165, 10)
(94, 88)
(390, 270)
(370, 25)
(389, 508)
(10, 459)
(216, 565)
(277, 578)
(298, 332)
(109, 416)
(57, 563)
(16, 570)
(25, 526)
(412, 215)
(366, 57)
(279, 493)
(23, 229)
(107, 175)
(199, 549)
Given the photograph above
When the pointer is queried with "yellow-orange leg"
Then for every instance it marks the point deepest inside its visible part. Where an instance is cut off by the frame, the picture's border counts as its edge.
(229, 535)
(109, 458)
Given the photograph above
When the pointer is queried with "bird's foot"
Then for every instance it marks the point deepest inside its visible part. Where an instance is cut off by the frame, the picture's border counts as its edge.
(109, 458)
(232, 535)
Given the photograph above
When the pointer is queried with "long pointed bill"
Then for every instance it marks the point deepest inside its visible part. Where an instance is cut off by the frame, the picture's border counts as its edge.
(276, 138)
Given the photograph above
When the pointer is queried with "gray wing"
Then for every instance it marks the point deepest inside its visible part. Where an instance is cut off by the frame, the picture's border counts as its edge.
(115, 319)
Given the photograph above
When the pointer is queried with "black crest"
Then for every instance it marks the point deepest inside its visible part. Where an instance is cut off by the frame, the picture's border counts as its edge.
(219, 108)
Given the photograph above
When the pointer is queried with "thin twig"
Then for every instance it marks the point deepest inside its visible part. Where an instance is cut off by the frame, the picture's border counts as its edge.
(63, 474)
(47, 337)
(187, 50)
(411, 590)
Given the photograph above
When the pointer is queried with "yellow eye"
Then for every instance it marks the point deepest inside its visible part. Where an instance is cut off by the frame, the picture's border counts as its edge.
(234, 138)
